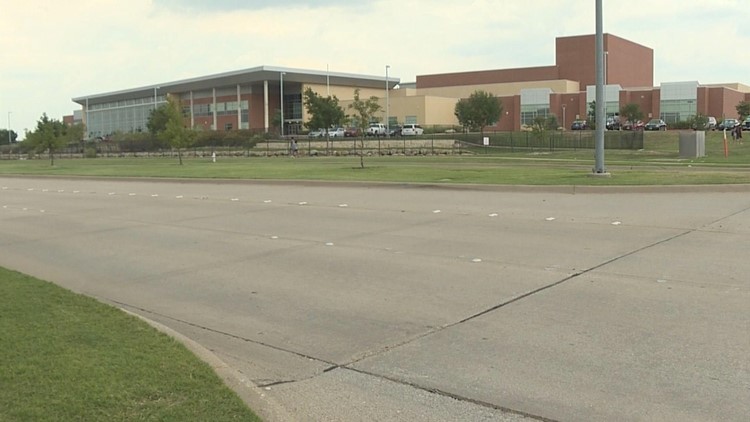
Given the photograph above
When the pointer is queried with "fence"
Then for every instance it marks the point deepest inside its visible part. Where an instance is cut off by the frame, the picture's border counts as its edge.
(428, 144)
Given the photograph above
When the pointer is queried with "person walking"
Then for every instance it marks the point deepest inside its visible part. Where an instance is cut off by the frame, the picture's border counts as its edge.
(738, 133)
(293, 148)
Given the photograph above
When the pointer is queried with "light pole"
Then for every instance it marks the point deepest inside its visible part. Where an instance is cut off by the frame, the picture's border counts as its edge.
(563, 122)
(281, 89)
(9, 138)
(155, 88)
(387, 104)
(599, 168)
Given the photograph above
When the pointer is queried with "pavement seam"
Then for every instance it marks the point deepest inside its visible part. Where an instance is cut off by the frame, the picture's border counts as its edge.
(452, 396)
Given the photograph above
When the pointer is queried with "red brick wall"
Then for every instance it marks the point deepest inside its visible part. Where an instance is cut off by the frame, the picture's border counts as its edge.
(627, 63)
(488, 77)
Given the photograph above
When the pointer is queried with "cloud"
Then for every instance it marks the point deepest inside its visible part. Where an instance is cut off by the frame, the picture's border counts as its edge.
(99, 46)
(245, 5)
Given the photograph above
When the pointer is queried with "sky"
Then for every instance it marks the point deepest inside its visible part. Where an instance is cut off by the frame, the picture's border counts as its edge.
(52, 51)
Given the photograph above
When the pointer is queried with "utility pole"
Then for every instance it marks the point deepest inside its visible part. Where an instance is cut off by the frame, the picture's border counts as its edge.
(599, 168)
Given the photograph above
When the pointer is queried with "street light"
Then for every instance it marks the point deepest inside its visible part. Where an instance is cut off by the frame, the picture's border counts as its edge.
(9, 139)
(563, 122)
(281, 84)
(387, 104)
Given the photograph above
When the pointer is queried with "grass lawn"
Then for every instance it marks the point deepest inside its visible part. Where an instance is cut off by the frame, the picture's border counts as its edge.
(68, 357)
(657, 164)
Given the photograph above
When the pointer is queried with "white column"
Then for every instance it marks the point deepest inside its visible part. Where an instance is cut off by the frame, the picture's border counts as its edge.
(265, 105)
(192, 111)
(239, 109)
(387, 104)
(281, 93)
(214, 125)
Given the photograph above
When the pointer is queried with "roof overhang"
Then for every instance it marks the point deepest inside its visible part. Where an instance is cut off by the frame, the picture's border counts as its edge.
(244, 77)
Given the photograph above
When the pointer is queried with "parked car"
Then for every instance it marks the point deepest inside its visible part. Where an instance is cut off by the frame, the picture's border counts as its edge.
(317, 133)
(336, 133)
(655, 124)
(613, 123)
(711, 123)
(746, 124)
(728, 124)
(411, 130)
(628, 125)
(351, 132)
(395, 131)
(376, 129)
(579, 125)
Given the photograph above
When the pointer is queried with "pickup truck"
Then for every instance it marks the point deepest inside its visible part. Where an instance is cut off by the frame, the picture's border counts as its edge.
(376, 129)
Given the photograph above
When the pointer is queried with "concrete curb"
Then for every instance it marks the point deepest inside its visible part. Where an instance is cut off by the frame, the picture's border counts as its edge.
(265, 407)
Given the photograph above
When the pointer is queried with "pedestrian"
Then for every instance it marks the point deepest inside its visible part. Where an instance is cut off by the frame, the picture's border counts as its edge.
(293, 148)
(213, 156)
(738, 133)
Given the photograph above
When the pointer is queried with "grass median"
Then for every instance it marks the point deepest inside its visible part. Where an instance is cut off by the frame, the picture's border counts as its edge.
(658, 163)
(65, 356)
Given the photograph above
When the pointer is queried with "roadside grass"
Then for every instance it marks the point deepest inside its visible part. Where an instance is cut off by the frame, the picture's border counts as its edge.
(65, 356)
(657, 164)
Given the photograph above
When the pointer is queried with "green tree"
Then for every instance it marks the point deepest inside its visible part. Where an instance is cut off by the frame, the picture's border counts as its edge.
(632, 113)
(4, 136)
(175, 133)
(743, 110)
(365, 113)
(542, 124)
(51, 135)
(698, 122)
(478, 111)
(324, 111)
(365, 110)
(157, 119)
(592, 115)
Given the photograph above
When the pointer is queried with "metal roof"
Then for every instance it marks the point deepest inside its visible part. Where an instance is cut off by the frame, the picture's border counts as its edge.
(244, 77)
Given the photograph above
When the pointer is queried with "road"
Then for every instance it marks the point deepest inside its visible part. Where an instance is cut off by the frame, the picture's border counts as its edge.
(366, 302)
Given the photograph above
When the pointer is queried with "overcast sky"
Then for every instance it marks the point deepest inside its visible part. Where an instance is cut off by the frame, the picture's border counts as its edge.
(52, 50)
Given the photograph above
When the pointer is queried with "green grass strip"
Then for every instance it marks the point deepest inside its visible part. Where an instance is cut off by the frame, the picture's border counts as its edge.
(65, 356)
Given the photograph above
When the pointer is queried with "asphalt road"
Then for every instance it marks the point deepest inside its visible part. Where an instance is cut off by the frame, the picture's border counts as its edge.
(407, 303)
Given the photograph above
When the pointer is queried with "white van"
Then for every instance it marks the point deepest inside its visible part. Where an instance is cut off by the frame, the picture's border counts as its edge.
(411, 130)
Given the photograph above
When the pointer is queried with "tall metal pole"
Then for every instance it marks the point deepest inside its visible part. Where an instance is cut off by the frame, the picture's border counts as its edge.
(155, 88)
(281, 82)
(9, 139)
(600, 122)
(387, 104)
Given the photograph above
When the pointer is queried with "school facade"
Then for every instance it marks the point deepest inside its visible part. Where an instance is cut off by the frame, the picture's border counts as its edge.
(252, 98)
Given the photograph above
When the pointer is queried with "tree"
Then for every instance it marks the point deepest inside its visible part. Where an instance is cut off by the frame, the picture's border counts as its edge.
(478, 111)
(365, 110)
(698, 122)
(743, 110)
(175, 133)
(542, 124)
(157, 119)
(324, 111)
(632, 113)
(4, 136)
(50, 135)
(592, 114)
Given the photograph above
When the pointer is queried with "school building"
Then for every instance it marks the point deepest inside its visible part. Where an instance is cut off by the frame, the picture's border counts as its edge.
(252, 98)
